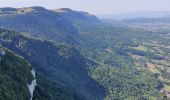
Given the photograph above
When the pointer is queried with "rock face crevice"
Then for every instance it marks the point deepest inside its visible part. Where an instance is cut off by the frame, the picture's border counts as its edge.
(33, 84)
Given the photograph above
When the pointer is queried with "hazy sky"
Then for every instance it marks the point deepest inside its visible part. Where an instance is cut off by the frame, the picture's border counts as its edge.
(94, 6)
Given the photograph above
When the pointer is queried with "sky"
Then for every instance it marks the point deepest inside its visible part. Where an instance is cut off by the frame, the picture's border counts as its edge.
(99, 7)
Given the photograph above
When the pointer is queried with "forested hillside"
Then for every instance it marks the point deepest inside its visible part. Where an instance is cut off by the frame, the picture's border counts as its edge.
(15, 75)
(58, 62)
(85, 58)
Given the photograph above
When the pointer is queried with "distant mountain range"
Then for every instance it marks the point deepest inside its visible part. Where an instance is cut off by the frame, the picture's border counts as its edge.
(167, 16)
(134, 15)
(154, 21)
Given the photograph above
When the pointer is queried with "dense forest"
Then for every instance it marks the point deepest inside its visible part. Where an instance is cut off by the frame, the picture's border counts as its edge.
(15, 74)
